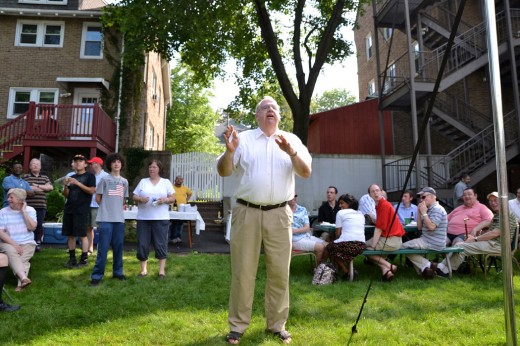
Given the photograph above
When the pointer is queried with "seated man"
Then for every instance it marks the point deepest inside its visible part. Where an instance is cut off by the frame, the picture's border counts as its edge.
(302, 239)
(471, 216)
(480, 242)
(367, 207)
(433, 222)
(328, 210)
(17, 224)
(407, 210)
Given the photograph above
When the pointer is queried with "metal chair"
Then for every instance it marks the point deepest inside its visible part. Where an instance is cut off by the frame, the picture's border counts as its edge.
(306, 253)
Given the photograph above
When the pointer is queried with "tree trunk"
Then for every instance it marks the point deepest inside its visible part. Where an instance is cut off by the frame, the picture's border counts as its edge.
(301, 121)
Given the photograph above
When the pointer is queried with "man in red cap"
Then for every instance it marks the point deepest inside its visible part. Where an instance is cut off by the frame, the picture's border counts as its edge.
(96, 164)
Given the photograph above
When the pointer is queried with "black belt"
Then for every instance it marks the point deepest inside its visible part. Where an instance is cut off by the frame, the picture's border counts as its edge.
(261, 207)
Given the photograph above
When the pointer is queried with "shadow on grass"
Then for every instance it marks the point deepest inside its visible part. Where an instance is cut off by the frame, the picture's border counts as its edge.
(189, 306)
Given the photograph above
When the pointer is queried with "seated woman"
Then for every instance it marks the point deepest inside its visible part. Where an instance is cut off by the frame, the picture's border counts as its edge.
(302, 240)
(17, 223)
(350, 234)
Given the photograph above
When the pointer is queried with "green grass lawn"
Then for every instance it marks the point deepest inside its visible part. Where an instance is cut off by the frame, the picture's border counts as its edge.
(189, 307)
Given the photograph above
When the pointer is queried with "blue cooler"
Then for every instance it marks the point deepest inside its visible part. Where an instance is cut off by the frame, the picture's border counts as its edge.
(52, 233)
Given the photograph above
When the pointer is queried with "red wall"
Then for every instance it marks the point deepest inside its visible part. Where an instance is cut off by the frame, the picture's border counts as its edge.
(352, 129)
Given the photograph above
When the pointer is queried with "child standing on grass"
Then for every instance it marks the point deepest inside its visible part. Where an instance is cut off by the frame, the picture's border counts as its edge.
(78, 190)
(111, 194)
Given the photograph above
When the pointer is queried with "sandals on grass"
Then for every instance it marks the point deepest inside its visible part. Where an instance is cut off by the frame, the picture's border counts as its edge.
(233, 338)
(284, 336)
(388, 276)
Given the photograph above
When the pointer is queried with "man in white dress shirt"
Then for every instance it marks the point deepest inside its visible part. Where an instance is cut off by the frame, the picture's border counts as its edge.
(265, 160)
(514, 205)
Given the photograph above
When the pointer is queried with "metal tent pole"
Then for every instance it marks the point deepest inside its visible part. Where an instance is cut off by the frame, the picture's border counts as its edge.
(496, 102)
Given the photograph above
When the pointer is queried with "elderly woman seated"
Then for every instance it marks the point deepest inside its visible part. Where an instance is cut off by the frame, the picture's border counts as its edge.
(17, 223)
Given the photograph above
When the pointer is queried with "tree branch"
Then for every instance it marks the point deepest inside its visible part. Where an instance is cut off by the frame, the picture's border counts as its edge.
(271, 42)
(325, 44)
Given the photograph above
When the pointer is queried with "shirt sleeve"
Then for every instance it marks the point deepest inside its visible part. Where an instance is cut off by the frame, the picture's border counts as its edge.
(32, 213)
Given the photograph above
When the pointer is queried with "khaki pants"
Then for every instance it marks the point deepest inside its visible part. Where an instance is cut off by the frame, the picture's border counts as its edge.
(474, 248)
(19, 263)
(420, 262)
(250, 229)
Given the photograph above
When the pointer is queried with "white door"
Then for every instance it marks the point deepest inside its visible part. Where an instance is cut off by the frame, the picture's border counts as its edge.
(82, 118)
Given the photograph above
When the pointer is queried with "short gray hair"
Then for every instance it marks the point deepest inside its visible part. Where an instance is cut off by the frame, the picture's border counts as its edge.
(21, 194)
(266, 98)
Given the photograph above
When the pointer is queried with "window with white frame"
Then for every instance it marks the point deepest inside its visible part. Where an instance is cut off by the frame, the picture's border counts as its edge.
(32, 33)
(19, 99)
(371, 88)
(387, 33)
(417, 56)
(92, 41)
(46, 2)
(150, 137)
(154, 86)
(369, 46)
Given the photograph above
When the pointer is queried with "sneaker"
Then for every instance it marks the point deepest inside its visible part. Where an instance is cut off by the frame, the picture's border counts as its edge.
(94, 282)
(71, 263)
(178, 240)
(8, 308)
(119, 277)
(428, 273)
(38, 247)
(442, 274)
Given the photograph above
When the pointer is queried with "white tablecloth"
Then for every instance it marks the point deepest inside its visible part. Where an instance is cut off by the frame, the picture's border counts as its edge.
(200, 225)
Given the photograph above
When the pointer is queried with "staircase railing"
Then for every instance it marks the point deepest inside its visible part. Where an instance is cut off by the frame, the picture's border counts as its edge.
(444, 16)
(445, 169)
(462, 111)
(12, 133)
(476, 152)
(470, 46)
(396, 173)
(45, 122)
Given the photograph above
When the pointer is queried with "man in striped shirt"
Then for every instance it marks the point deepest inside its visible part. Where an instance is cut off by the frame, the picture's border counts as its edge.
(40, 184)
(433, 221)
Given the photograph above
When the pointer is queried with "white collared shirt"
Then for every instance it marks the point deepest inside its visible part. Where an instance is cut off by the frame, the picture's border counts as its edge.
(514, 207)
(265, 172)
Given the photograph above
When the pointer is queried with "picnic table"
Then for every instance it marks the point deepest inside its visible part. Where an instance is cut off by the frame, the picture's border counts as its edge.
(369, 230)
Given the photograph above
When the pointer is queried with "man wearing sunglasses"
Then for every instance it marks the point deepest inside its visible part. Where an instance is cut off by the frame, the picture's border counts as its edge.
(433, 222)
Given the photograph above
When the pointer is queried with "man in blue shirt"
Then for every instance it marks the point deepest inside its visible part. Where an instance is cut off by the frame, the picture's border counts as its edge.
(15, 181)
(407, 210)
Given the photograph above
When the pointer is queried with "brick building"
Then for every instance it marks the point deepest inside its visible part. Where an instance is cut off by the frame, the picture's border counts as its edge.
(459, 136)
(59, 91)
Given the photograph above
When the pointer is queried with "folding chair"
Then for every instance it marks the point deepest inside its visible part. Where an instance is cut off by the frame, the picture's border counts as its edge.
(7, 294)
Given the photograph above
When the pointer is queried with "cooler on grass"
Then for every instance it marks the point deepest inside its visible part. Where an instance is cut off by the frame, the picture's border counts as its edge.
(52, 233)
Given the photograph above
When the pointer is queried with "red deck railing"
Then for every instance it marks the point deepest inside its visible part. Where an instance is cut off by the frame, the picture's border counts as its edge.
(59, 123)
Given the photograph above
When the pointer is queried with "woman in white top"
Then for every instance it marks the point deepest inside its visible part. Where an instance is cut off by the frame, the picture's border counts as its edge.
(350, 233)
(153, 196)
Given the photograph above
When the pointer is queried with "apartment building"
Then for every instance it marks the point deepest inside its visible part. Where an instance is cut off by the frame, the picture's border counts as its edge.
(59, 92)
(401, 45)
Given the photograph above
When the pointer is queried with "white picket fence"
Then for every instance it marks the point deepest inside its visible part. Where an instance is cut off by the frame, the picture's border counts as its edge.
(199, 171)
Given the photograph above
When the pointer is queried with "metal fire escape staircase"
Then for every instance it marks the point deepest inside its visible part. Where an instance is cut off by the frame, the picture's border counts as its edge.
(468, 128)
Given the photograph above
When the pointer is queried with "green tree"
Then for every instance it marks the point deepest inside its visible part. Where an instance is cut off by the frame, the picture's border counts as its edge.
(190, 122)
(331, 99)
(264, 37)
